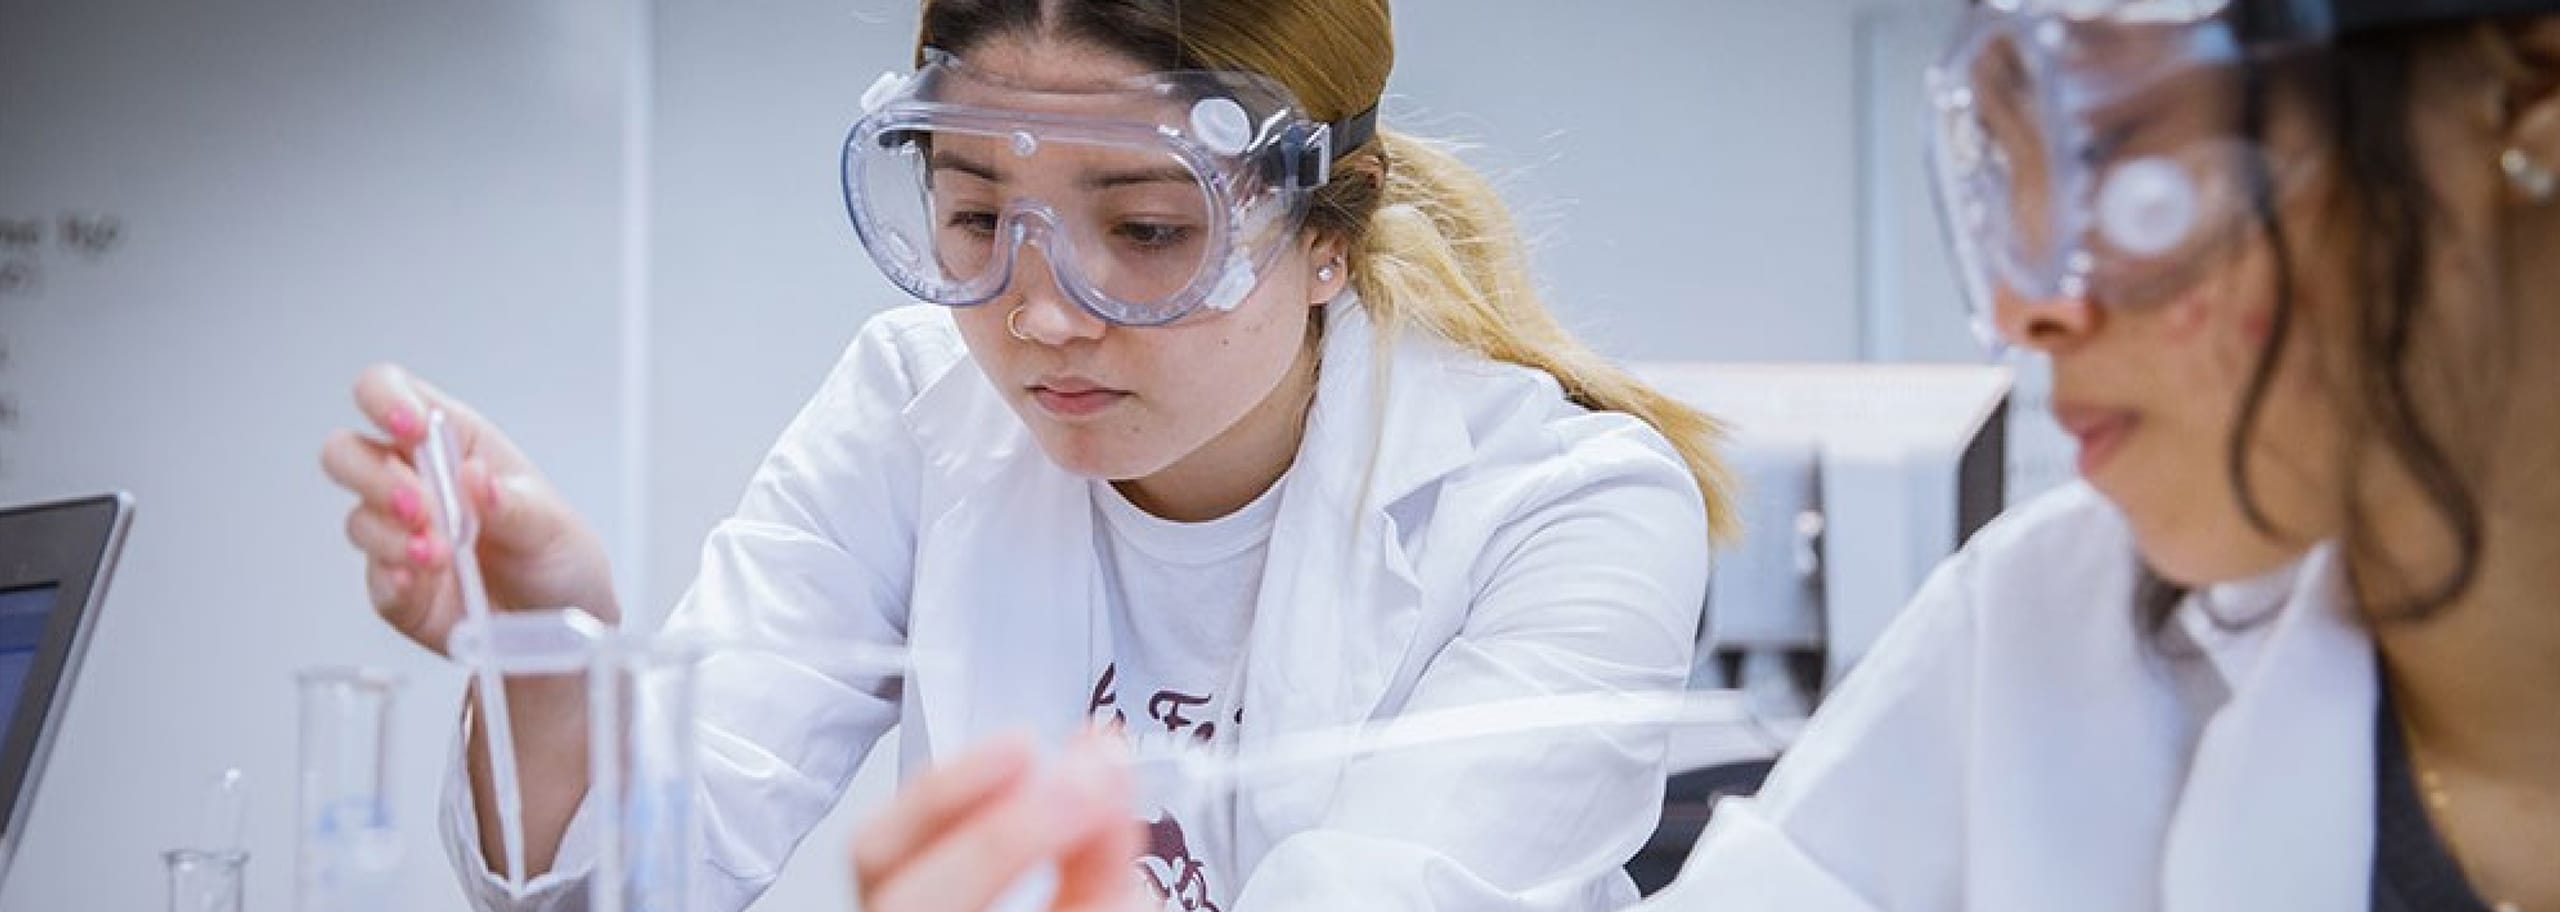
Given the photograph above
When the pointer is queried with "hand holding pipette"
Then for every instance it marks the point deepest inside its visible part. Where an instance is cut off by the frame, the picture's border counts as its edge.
(531, 550)
(534, 550)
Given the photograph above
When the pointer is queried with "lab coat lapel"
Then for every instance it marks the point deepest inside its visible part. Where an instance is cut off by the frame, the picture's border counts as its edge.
(1003, 614)
(1340, 603)
(2277, 812)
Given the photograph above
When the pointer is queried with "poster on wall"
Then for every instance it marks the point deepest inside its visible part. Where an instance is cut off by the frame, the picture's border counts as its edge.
(30, 247)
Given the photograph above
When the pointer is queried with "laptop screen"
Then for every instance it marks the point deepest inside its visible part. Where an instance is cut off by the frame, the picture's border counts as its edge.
(55, 559)
(24, 612)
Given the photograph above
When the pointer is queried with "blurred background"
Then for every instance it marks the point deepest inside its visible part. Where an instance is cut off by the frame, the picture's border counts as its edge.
(614, 225)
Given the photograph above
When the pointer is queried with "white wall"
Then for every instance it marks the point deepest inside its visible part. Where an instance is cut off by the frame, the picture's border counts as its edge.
(307, 185)
(303, 186)
(1685, 166)
(757, 283)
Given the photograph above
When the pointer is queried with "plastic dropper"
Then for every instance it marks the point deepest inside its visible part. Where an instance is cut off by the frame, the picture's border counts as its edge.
(440, 458)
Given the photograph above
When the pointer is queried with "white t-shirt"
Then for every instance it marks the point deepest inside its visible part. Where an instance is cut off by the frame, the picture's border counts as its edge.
(1180, 602)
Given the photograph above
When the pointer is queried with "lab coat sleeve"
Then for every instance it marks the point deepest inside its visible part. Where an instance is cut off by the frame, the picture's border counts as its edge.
(1866, 809)
(1595, 587)
(814, 564)
(561, 889)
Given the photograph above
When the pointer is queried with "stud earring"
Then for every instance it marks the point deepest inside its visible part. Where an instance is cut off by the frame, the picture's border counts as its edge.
(2529, 177)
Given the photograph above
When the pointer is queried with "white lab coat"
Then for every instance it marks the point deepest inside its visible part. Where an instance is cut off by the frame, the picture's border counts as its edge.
(1495, 542)
(2016, 741)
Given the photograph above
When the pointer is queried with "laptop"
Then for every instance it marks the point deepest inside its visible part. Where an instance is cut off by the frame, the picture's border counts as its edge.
(54, 562)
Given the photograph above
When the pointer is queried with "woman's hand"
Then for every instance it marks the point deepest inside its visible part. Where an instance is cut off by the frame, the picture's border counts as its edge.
(960, 836)
(534, 551)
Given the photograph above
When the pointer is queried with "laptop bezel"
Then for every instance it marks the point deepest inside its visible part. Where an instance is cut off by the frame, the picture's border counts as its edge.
(71, 545)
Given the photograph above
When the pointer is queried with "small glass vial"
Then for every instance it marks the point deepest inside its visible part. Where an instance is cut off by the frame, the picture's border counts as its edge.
(205, 881)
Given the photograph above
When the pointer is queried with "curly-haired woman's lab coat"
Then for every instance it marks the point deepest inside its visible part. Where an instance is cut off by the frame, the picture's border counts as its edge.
(1458, 533)
(2022, 739)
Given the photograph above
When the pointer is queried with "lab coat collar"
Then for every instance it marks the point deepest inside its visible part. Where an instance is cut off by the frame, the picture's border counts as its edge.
(1394, 402)
(1000, 611)
(1005, 563)
(2277, 810)
(1342, 606)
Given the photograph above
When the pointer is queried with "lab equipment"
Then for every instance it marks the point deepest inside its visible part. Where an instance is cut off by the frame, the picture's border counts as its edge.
(1223, 765)
(640, 694)
(348, 843)
(645, 694)
(641, 735)
(640, 717)
(1149, 197)
(1858, 480)
(440, 460)
(211, 876)
(1864, 478)
(654, 708)
(1179, 761)
(1769, 635)
(226, 807)
(206, 880)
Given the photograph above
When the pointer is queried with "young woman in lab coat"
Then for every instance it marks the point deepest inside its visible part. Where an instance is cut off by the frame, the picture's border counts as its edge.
(1243, 420)
(2295, 643)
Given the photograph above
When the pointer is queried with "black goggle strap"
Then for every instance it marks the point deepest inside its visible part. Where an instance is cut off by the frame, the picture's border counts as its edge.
(2325, 20)
(1304, 157)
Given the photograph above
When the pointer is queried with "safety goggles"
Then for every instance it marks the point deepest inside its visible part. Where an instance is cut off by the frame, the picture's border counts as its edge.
(2102, 149)
(1148, 198)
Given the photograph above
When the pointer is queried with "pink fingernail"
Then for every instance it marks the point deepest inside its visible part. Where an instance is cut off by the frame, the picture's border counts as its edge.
(404, 504)
(404, 423)
(422, 551)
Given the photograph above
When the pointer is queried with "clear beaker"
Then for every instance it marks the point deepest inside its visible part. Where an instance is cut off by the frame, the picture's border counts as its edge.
(640, 743)
(348, 845)
(641, 702)
(205, 881)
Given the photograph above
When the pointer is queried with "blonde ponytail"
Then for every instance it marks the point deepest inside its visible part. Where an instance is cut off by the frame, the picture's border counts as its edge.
(1439, 252)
